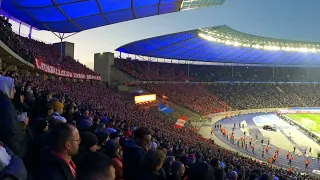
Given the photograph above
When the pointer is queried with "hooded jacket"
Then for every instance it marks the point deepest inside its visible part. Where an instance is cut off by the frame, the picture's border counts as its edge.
(15, 168)
(133, 155)
(6, 85)
(10, 132)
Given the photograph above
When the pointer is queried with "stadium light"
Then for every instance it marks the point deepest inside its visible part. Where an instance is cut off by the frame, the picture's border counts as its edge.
(232, 38)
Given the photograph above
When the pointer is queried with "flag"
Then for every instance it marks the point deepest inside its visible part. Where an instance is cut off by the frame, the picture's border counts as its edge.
(165, 109)
(181, 121)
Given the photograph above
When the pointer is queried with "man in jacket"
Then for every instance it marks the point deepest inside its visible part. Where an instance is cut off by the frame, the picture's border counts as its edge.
(10, 132)
(134, 151)
(56, 162)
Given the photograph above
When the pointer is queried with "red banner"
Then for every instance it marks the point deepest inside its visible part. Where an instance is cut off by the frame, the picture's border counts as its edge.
(60, 72)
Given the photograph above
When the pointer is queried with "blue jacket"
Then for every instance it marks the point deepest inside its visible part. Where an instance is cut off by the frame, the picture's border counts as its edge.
(15, 168)
(133, 155)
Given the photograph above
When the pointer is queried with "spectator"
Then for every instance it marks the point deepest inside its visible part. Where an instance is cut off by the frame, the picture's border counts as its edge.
(56, 162)
(40, 135)
(57, 111)
(134, 151)
(96, 122)
(103, 137)
(112, 149)
(89, 143)
(201, 170)
(115, 136)
(177, 170)
(167, 165)
(94, 166)
(151, 164)
(233, 175)
(11, 166)
(10, 132)
(85, 123)
(69, 114)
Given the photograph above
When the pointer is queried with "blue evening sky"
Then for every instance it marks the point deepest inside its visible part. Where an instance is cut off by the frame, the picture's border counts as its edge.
(283, 19)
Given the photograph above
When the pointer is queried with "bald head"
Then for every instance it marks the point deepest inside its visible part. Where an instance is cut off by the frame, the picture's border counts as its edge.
(233, 175)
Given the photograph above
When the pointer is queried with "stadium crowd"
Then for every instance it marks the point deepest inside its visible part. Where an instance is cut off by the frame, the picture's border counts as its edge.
(151, 71)
(84, 130)
(8, 37)
(194, 97)
(51, 56)
(65, 130)
(210, 73)
(28, 49)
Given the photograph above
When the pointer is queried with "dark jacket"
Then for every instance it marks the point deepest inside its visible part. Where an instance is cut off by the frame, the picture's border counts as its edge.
(15, 168)
(51, 167)
(151, 176)
(133, 155)
(10, 132)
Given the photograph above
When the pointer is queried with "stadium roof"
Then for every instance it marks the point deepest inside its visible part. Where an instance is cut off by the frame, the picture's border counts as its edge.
(66, 16)
(222, 44)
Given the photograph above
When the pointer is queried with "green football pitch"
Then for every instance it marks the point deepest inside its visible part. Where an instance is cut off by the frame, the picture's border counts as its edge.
(301, 118)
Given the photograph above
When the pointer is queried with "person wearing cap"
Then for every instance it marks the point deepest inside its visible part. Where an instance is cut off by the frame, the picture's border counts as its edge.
(112, 149)
(103, 137)
(115, 136)
(57, 111)
(10, 132)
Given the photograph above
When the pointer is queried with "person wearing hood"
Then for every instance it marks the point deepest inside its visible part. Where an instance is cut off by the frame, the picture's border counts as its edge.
(11, 166)
(112, 149)
(10, 132)
(134, 151)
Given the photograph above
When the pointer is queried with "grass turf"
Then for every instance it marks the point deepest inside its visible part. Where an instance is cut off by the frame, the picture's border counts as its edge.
(313, 117)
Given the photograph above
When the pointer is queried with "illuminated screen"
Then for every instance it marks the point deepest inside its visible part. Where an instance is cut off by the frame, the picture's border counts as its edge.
(144, 98)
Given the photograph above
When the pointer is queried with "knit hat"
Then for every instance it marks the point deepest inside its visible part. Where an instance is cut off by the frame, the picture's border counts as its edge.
(102, 136)
(88, 140)
(111, 147)
(56, 105)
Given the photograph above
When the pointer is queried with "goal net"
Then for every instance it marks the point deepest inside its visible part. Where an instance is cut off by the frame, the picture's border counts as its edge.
(309, 124)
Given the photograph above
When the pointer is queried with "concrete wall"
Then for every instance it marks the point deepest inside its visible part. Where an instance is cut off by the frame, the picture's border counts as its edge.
(102, 65)
(67, 48)
(119, 76)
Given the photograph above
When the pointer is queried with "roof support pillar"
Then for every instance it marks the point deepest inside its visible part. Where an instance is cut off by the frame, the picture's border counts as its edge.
(232, 71)
(61, 49)
(273, 72)
(30, 32)
(20, 27)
